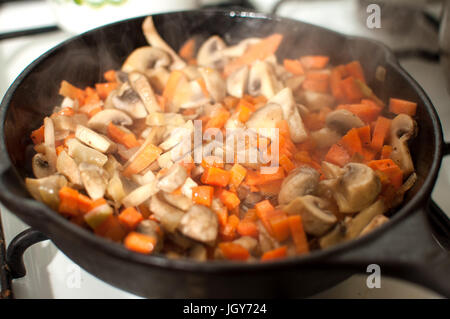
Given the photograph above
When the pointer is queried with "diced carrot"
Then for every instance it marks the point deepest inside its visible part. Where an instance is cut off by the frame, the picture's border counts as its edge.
(128, 139)
(386, 151)
(175, 78)
(244, 110)
(228, 231)
(368, 154)
(355, 69)
(271, 188)
(335, 84)
(298, 234)
(84, 203)
(230, 102)
(37, 136)
(203, 86)
(337, 155)
(145, 210)
(364, 135)
(92, 96)
(283, 128)
(277, 253)
(367, 113)
(145, 156)
(265, 210)
(111, 228)
(110, 76)
(286, 163)
(70, 91)
(237, 175)
(130, 217)
(59, 149)
(258, 51)
(68, 201)
(215, 176)
(316, 85)
(103, 89)
(202, 195)
(314, 61)
(352, 142)
(247, 228)
(187, 50)
(229, 199)
(222, 214)
(269, 178)
(293, 66)
(218, 118)
(380, 132)
(212, 161)
(140, 243)
(351, 89)
(280, 227)
(234, 251)
(398, 106)
(390, 169)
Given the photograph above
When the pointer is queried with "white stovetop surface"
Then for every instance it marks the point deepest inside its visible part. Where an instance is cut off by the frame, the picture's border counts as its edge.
(50, 274)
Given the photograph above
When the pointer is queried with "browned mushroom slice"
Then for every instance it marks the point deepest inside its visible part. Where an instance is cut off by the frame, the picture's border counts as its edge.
(403, 128)
(95, 180)
(140, 195)
(376, 222)
(198, 252)
(342, 121)
(325, 137)
(167, 215)
(115, 189)
(67, 166)
(199, 223)
(316, 217)
(145, 58)
(155, 40)
(261, 80)
(214, 82)
(93, 139)
(239, 49)
(315, 101)
(249, 243)
(82, 153)
(41, 167)
(300, 181)
(101, 120)
(357, 188)
(173, 179)
(363, 218)
(128, 100)
(142, 87)
(331, 171)
(237, 82)
(46, 189)
(265, 117)
(177, 200)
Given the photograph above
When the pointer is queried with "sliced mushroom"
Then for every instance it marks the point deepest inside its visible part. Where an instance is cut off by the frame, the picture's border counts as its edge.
(178, 135)
(151, 228)
(128, 100)
(249, 243)
(325, 137)
(67, 166)
(239, 49)
(266, 242)
(41, 167)
(95, 180)
(82, 153)
(261, 80)
(145, 58)
(334, 237)
(316, 217)
(140, 195)
(93, 139)
(158, 78)
(142, 87)
(144, 178)
(376, 222)
(155, 40)
(186, 189)
(295, 82)
(173, 179)
(214, 82)
(115, 189)
(331, 171)
(210, 54)
(49, 143)
(200, 223)
(403, 128)
(177, 200)
(300, 181)
(237, 82)
(285, 98)
(342, 121)
(316, 101)
(362, 219)
(46, 189)
(189, 94)
(198, 252)
(357, 188)
(101, 120)
(168, 216)
(266, 117)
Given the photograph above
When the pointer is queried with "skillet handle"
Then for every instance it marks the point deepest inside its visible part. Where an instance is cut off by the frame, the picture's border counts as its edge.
(409, 251)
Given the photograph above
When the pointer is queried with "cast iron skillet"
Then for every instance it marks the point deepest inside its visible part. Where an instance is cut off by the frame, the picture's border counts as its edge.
(404, 247)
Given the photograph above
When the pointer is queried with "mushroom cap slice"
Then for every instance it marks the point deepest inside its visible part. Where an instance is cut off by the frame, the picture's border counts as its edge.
(130, 102)
(101, 120)
(376, 222)
(297, 130)
(210, 53)
(261, 80)
(142, 87)
(342, 121)
(237, 82)
(300, 181)
(145, 58)
(173, 179)
(95, 180)
(200, 223)
(140, 195)
(41, 167)
(214, 82)
(155, 40)
(94, 140)
(325, 137)
(82, 153)
(357, 188)
(152, 228)
(356, 225)
(168, 216)
(315, 101)
(265, 117)
(46, 189)
(403, 128)
(67, 166)
(317, 220)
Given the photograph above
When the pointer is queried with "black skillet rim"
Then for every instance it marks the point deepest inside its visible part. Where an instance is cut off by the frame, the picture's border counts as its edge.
(318, 256)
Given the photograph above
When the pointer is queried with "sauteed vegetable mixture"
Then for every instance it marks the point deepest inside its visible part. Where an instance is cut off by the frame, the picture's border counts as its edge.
(105, 159)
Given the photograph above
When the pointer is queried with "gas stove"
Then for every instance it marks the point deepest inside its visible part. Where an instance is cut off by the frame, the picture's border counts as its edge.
(50, 274)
